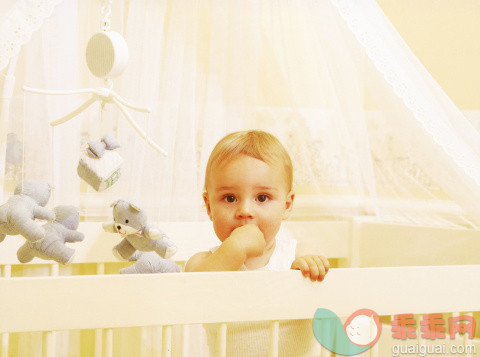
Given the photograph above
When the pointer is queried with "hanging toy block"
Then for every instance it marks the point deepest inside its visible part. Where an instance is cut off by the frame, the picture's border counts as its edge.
(100, 164)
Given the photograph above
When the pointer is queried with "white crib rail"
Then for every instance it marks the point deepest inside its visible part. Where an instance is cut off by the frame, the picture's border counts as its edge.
(91, 302)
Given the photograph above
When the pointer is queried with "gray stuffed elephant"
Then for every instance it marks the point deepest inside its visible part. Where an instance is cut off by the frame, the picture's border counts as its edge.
(52, 247)
(17, 215)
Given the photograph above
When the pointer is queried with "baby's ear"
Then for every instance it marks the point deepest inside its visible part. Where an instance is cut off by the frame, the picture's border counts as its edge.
(207, 204)
(135, 207)
(288, 204)
(114, 203)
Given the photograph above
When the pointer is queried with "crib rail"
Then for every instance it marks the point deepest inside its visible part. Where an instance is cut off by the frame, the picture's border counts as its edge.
(91, 302)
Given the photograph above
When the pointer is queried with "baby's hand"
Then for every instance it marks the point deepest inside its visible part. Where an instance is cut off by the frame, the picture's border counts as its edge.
(313, 266)
(250, 239)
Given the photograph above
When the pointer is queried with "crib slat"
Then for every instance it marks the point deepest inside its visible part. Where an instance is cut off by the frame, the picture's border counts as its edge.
(166, 341)
(5, 340)
(7, 273)
(464, 338)
(143, 341)
(466, 341)
(54, 269)
(49, 336)
(421, 341)
(185, 340)
(274, 327)
(324, 352)
(221, 342)
(98, 342)
(156, 341)
(49, 340)
(100, 268)
(108, 342)
(373, 352)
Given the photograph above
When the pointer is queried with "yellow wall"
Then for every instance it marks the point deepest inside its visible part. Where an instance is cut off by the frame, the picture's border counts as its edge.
(445, 36)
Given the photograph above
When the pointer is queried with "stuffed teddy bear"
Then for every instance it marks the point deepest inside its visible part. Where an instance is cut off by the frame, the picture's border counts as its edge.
(150, 263)
(131, 222)
(17, 215)
(52, 247)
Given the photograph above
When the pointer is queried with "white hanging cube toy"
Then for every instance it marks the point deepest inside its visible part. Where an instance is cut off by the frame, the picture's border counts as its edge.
(99, 164)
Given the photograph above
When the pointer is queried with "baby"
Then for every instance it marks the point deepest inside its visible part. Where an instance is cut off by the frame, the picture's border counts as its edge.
(248, 192)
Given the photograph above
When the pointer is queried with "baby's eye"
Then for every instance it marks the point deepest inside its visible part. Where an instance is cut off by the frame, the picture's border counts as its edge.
(126, 221)
(229, 198)
(262, 198)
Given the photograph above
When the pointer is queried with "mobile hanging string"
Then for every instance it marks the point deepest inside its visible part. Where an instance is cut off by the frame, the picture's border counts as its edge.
(106, 11)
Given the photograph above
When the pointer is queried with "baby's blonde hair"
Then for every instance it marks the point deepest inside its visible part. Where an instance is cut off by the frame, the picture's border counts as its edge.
(254, 143)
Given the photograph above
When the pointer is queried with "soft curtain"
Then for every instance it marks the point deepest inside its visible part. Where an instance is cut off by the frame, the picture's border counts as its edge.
(206, 69)
(359, 114)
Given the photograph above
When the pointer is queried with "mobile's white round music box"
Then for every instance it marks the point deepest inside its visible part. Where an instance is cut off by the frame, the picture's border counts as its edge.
(107, 54)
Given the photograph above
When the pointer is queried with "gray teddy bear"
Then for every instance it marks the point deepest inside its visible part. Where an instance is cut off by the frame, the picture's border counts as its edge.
(131, 222)
(17, 215)
(52, 247)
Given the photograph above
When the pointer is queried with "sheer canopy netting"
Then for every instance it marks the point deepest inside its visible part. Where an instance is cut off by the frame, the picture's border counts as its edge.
(369, 130)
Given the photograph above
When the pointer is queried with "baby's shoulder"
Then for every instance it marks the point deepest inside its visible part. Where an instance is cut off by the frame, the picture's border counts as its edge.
(196, 259)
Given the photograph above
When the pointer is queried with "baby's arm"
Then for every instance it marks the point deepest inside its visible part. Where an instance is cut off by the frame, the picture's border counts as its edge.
(244, 242)
(311, 262)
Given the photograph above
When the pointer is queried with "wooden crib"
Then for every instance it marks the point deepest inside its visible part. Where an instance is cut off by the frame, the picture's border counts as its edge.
(161, 305)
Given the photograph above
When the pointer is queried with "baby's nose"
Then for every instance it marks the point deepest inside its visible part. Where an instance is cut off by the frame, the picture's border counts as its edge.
(119, 227)
(244, 211)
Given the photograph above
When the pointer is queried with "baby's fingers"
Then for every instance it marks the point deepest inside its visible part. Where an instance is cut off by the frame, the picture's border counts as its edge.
(326, 263)
(314, 268)
(309, 267)
(301, 264)
(321, 269)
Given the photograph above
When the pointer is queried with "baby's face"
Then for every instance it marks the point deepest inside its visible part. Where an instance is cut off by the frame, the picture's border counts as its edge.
(247, 190)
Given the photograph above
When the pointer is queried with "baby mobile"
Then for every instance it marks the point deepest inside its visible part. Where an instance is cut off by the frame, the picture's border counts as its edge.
(99, 166)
